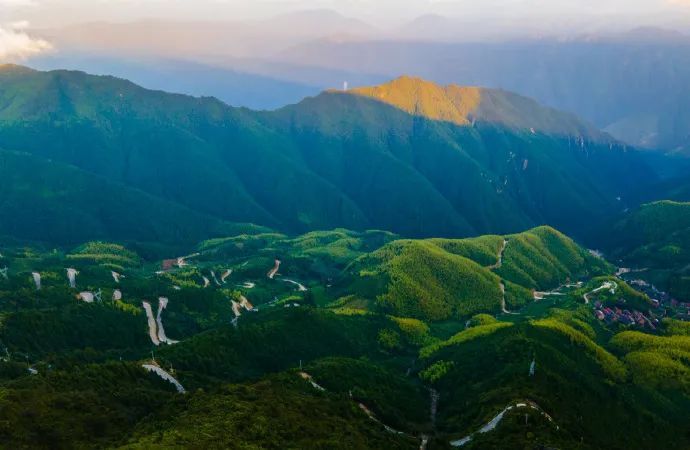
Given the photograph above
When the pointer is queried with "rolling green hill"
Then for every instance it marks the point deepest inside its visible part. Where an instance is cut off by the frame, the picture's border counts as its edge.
(336, 160)
(586, 390)
(440, 279)
(386, 353)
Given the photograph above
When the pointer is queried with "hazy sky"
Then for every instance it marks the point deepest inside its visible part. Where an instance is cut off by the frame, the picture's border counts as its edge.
(541, 16)
(53, 12)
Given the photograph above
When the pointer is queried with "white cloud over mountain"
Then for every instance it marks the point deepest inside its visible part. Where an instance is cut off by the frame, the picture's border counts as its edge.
(16, 44)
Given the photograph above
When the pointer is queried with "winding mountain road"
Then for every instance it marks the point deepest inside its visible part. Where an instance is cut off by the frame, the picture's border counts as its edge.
(493, 423)
(499, 260)
(504, 309)
(498, 265)
(606, 285)
(164, 375)
(152, 323)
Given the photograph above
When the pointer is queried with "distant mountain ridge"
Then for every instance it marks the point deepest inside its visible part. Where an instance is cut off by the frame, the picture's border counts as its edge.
(464, 105)
(334, 160)
(633, 85)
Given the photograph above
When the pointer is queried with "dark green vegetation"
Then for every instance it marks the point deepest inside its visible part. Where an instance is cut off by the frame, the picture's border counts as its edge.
(656, 238)
(336, 160)
(371, 330)
(329, 339)
(592, 393)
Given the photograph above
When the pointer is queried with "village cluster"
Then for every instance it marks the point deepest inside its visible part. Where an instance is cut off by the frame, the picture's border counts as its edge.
(662, 305)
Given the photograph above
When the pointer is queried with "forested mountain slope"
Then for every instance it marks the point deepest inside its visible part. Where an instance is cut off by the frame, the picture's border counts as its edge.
(339, 159)
(655, 239)
(442, 279)
(43, 200)
(312, 359)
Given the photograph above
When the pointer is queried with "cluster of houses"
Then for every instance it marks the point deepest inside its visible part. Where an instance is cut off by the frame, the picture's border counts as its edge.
(615, 314)
(662, 302)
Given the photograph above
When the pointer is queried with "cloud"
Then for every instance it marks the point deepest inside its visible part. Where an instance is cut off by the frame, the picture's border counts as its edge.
(19, 25)
(16, 44)
(18, 3)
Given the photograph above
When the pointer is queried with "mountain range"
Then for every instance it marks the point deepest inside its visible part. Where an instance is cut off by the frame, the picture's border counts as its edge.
(408, 156)
(307, 232)
(633, 84)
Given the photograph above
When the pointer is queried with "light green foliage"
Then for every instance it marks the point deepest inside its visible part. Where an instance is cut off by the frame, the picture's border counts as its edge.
(428, 283)
(469, 334)
(415, 331)
(390, 340)
(543, 258)
(676, 327)
(351, 348)
(482, 250)
(436, 371)
(483, 319)
(659, 362)
(609, 363)
(106, 254)
(659, 370)
(517, 296)
(633, 340)
(339, 246)
(440, 279)
(575, 320)
(240, 245)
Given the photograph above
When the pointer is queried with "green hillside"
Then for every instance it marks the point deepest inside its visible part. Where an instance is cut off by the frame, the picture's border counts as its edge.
(48, 201)
(336, 160)
(587, 391)
(177, 273)
(439, 279)
(360, 340)
(656, 237)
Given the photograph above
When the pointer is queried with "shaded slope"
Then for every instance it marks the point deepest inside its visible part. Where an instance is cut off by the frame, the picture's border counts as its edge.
(495, 179)
(336, 160)
(197, 152)
(656, 237)
(47, 201)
